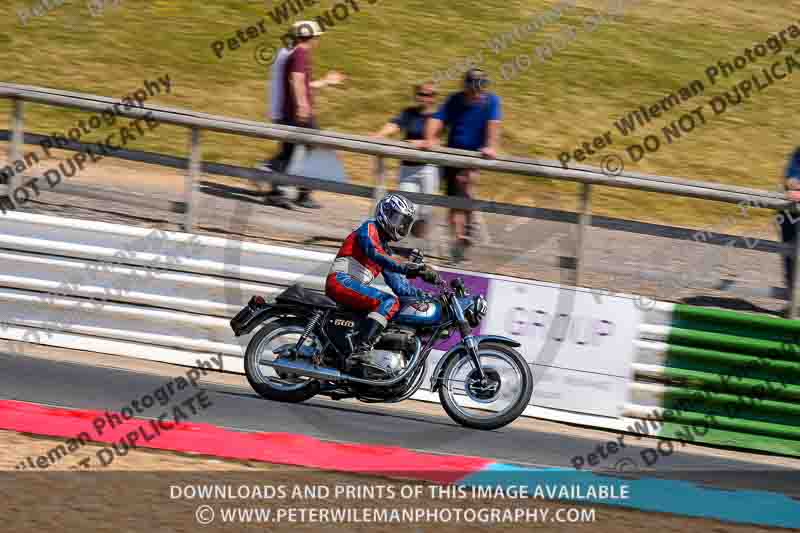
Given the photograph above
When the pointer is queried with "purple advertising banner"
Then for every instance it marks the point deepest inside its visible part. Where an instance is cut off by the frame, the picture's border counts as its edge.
(474, 283)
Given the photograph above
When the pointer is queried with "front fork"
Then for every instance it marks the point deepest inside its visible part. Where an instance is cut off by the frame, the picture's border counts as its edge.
(466, 335)
(472, 348)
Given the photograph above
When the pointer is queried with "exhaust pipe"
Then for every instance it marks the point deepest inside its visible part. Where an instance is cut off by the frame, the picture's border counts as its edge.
(304, 368)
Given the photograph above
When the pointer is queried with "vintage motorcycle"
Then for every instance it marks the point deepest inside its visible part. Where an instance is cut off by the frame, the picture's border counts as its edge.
(301, 351)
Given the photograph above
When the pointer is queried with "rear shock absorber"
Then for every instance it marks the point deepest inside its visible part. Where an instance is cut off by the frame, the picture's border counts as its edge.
(312, 323)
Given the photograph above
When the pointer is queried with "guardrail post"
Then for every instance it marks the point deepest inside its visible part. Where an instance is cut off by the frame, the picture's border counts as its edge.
(194, 172)
(15, 146)
(794, 290)
(380, 177)
(585, 220)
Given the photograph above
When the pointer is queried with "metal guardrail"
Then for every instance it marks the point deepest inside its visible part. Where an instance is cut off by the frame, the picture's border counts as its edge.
(585, 175)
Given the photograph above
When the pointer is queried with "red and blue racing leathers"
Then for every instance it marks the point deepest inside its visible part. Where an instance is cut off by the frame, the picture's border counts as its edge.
(363, 256)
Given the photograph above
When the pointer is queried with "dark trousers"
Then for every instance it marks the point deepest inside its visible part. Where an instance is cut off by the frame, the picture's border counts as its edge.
(789, 236)
(280, 162)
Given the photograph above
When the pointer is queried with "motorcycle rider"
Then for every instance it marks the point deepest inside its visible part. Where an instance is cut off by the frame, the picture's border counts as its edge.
(364, 255)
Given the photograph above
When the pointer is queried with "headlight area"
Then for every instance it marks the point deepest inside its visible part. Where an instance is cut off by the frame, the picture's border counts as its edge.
(476, 311)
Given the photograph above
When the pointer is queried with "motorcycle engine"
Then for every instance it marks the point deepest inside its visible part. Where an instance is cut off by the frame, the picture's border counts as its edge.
(388, 357)
(382, 363)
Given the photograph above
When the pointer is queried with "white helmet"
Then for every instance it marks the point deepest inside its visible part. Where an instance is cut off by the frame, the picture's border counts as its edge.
(395, 215)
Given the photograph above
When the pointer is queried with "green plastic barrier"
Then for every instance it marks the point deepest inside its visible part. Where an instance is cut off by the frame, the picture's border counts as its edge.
(731, 378)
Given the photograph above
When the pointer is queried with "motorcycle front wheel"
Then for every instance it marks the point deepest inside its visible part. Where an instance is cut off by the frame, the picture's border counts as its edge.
(274, 336)
(495, 403)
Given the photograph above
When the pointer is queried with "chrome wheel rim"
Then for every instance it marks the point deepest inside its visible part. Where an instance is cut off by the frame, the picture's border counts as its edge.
(281, 338)
(483, 401)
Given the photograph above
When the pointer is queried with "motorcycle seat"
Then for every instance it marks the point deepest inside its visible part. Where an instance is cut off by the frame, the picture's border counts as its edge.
(298, 295)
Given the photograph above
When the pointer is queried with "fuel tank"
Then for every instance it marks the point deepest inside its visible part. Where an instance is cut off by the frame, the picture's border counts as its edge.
(417, 314)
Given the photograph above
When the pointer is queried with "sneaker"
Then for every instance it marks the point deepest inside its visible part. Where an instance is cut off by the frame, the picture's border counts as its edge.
(265, 167)
(457, 251)
(277, 199)
(307, 202)
(473, 235)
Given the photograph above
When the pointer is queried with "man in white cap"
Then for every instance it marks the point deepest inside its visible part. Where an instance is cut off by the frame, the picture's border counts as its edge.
(293, 101)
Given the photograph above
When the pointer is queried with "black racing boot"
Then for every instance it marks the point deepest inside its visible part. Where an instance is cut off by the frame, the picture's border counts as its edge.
(371, 331)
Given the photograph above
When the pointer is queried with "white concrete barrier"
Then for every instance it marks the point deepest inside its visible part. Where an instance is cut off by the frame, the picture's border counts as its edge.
(169, 296)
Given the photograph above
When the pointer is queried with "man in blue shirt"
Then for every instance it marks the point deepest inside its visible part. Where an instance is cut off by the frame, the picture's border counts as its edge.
(787, 225)
(472, 117)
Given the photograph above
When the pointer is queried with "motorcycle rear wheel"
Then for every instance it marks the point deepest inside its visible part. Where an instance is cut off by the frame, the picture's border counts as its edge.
(283, 331)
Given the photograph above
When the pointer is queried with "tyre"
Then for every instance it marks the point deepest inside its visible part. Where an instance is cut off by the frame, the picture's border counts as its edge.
(263, 378)
(494, 404)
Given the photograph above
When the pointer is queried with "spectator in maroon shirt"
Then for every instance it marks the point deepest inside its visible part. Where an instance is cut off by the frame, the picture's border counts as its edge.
(298, 100)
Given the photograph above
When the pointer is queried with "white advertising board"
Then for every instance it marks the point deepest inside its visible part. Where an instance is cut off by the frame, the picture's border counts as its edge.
(579, 344)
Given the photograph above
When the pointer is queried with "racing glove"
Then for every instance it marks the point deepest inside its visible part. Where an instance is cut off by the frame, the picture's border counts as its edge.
(429, 275)
(416, 256)
(413, 270)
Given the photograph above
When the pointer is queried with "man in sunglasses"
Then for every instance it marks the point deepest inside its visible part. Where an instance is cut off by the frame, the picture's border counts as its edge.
(472, 117)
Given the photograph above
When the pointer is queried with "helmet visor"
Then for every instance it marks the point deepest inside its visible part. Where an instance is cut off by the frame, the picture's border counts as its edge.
(401, 222)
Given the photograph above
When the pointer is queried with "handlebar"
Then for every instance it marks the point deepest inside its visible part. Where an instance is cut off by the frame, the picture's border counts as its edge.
(456, 285)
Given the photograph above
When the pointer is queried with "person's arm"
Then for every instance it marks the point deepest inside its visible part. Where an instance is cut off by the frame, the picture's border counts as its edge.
(331, 78)
(390, 128)
(793, 172)
(398, 123)
(370, 243)
(492, 137)
(493, 129)
(432, 130)
(299, 91)
(401, 287)
(434, 125)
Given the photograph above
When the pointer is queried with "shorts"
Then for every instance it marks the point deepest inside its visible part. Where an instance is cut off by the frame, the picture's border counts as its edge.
(454, 187)
(420, 178)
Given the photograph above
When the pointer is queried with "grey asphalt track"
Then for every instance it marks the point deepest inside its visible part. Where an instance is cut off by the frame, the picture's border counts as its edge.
(82, 386)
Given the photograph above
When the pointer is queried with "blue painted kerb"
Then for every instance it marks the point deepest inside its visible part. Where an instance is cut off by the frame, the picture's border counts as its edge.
(649, 494)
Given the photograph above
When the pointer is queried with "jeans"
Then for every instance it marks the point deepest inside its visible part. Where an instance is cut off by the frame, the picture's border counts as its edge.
(788, 236)
(420, 178)
(280, 162)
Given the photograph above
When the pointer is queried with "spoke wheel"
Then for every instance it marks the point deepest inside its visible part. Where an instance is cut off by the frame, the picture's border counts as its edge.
(272, 342)
(494, 401)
